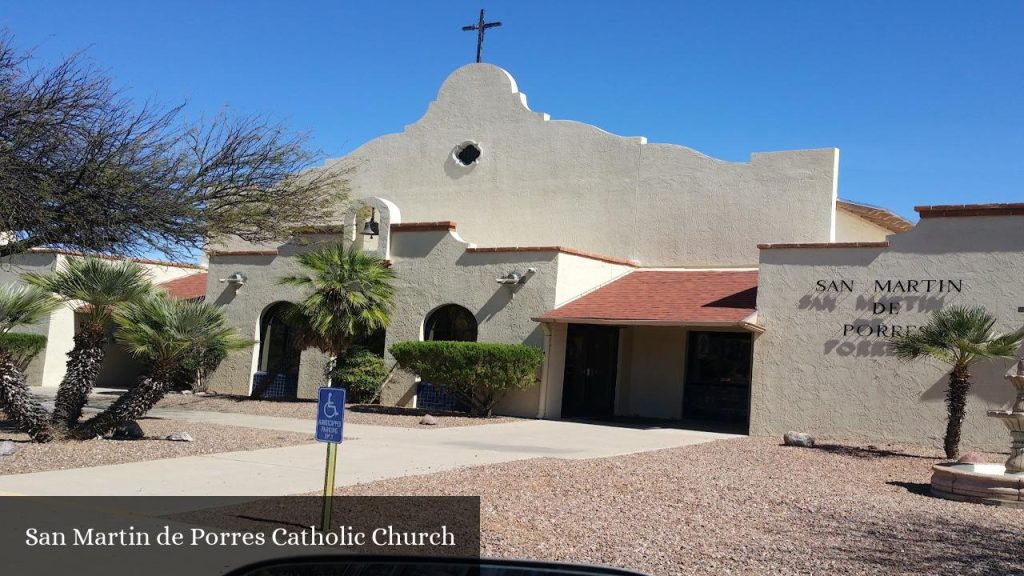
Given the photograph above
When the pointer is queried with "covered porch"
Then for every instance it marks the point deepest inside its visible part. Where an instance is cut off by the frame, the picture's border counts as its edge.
(661, 345)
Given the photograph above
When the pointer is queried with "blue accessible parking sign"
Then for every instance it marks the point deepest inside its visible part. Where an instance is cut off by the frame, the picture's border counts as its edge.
(330, 415)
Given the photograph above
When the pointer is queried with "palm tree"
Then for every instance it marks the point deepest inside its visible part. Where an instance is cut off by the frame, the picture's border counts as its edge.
(21, 305)
(350, 296)
(958, 336)
(102, 286)
(167, 334)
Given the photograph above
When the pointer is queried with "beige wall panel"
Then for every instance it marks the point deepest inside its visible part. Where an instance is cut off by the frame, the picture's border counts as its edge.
(655, 370)
(809, 376)
(850, 228)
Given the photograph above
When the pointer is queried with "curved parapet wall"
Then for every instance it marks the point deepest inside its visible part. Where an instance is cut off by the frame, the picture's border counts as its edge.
(548, 182)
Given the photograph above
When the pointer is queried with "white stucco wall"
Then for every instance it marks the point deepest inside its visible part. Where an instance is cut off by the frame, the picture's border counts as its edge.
(159, 274)
(542, 182)
(851, 228)
(809, 376)
(578, 275)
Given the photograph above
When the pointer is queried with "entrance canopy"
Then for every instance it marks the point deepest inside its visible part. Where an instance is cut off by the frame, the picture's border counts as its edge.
(668, 298)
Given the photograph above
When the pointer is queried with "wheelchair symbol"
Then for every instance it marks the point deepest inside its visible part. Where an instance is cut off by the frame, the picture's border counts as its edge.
(330, 410)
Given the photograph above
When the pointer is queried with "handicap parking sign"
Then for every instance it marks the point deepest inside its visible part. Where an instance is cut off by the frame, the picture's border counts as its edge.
(330, 415)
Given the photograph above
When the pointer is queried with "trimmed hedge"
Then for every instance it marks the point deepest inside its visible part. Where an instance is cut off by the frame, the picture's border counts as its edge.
(21, 347)
(361, 373)
(477, 373)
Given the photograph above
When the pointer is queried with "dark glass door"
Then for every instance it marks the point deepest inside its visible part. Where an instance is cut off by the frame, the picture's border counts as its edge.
(591, 363)
(718, 377)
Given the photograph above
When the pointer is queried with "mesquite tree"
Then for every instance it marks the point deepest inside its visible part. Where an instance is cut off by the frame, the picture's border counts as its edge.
(960, 337)
(96, 287)
(84, 168)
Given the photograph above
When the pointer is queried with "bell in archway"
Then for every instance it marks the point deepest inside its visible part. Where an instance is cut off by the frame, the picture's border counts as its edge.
(371, 228)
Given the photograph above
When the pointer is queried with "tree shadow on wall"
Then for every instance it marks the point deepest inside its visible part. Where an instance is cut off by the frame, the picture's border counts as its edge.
(988, 383)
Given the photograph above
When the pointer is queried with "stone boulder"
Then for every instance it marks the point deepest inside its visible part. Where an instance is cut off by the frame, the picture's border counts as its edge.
(7, 448)
(129, 431)
(180, 437)
(428, 420)
(800, 439)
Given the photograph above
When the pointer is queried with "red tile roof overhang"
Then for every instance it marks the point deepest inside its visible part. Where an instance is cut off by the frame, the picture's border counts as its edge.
(191, 287)
(667, 298)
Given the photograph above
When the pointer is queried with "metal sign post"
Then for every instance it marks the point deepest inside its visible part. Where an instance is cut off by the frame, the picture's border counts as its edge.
(330, 423)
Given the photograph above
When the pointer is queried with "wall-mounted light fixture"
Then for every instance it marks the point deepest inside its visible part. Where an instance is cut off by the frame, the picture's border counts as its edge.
(510, 279)
(371, 228)
(514, 280)
(237, 280)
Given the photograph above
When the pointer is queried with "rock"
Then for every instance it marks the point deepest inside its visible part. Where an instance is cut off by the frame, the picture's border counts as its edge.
(800, 439)
(180, 437)
(428, 420)
(129, 431)
(186, 392)
(8, 448)
(971, 458)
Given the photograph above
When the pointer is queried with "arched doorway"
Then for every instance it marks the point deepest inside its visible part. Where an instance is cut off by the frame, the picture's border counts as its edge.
(451, 323)
(277, 374)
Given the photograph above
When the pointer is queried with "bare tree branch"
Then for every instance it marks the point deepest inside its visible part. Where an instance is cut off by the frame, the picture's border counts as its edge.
(83, 168)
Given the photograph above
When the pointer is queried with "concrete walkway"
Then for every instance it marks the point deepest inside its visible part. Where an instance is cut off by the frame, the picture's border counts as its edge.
(369, 453)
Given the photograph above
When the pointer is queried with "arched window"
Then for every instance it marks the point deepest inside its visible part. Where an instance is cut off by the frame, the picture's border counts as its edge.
(452, 323)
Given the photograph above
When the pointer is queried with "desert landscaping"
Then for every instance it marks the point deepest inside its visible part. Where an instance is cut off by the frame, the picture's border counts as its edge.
(742, 506)
(373, 414)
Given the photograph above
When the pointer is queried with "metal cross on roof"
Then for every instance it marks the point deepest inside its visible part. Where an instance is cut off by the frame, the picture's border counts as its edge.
(480, 27)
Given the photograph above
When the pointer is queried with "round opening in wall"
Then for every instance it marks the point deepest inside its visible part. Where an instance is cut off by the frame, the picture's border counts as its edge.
(467, 153)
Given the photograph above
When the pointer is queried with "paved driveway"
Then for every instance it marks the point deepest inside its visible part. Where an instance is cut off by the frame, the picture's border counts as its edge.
(369, 453)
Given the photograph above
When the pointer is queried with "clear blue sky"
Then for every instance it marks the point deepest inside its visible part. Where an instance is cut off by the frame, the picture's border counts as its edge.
(925, 99)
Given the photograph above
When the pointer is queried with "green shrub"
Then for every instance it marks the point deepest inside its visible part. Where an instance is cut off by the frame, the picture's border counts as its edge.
(196, 365)
(21, 348)
(361, 373)
(477, 373)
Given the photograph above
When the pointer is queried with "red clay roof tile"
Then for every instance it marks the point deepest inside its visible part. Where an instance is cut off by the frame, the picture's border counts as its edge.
(666, 297)
(187, 287)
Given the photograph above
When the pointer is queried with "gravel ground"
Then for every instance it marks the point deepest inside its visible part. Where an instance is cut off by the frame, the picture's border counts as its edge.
(209, 439)
(744, 506)
(355, 413)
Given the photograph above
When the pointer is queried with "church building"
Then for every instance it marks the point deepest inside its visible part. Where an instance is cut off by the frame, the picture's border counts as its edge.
(660, 282)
